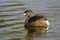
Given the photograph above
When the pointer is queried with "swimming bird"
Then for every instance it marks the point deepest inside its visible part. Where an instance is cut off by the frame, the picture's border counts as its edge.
(35, 23)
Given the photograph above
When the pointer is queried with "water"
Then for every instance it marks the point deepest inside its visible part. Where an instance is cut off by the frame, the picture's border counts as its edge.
(12, 22)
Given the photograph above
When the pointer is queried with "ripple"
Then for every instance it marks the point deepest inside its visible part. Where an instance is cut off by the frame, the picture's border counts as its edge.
(11, 4)
(12, 22)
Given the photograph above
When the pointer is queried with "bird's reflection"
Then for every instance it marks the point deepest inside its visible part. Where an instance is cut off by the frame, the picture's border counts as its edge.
(31, 36)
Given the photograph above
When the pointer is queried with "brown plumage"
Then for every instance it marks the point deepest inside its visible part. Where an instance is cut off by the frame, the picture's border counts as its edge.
(35, 23)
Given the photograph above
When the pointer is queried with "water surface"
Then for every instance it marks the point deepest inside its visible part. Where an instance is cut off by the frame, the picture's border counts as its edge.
(12, 22)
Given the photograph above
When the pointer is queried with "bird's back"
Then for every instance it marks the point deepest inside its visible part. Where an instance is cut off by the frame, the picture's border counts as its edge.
(37, 21)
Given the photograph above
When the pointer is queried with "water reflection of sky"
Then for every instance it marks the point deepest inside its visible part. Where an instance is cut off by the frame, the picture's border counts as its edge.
(51, 6)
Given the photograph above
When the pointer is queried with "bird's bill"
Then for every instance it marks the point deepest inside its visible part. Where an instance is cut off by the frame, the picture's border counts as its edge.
(24, 14)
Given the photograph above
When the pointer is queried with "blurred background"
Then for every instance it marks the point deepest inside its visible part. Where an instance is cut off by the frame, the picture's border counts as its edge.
(12, 22)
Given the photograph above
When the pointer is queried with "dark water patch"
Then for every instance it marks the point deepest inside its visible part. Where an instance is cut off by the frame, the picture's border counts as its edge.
(51, 28)
(7, 25)
(16, 39)
(57, 24)
(17, 9)
(12, 7)
(18, 27)
(5, 15)
(12, 19)
(2, 21)
(50, 32)
(19, 23)
(17, 4)
(12, 32)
